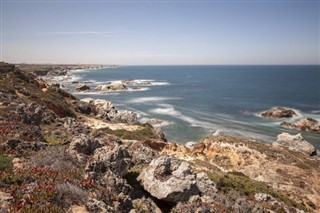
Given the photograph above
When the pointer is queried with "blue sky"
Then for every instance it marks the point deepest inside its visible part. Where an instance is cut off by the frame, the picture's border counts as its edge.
(157, 32)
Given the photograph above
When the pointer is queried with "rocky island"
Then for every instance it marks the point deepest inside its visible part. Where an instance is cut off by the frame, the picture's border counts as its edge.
(62, 154)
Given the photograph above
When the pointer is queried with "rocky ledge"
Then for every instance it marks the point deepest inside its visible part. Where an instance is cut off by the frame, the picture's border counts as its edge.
(61, 154)
(278, 112)
(305, 124)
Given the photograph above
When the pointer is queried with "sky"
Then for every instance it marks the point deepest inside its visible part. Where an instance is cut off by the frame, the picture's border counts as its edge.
(160, 32)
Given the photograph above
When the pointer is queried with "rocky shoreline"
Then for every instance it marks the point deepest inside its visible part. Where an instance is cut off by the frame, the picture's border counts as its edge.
(62, 154)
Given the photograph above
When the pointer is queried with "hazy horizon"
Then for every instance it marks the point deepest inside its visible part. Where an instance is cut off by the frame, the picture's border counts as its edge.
(161, 33)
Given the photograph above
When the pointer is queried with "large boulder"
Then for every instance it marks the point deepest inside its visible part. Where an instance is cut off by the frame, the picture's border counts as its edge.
(169, 179)
(82, 87)
(306, 124)
(111, 87)
(278, 112)
(110, 158)
(295, 142)
(83, 145)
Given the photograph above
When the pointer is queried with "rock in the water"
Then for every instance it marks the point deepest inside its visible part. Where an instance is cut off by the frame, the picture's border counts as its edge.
(111, 87)
(218, 133)
(82, 87)
(295, 142)
(278, 112)
(306, 124)
(116, 160)
(169, 179)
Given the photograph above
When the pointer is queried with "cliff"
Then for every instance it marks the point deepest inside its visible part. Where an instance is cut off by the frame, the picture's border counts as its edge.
(61, 154)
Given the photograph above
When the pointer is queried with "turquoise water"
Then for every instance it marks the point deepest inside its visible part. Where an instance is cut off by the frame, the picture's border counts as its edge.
(198, 100)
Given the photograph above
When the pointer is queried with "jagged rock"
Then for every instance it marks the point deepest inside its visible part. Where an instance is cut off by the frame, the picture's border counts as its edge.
(262, 197)
(141, 153)
(218, 133)
(295, 142)
(105, 110)
(169, 179)
(57, 72)
(114, 183)
(115, 193)
(94, 205)
(306, 124)
(111, 87)
(278, 112)
(159, 133)
(5, 199)
(82, 87)
(205, 185)
(199, 204)
(84, 107)
(83, 145)
(116, 159)
(144, 205)
(190, 144)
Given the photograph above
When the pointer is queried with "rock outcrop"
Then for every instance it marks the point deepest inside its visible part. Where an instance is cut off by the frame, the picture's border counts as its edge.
(295, 142)
(306, 124)
(169, 179)
(104, 109)
(115, 159)
(111, 87)
(82, 87)
(83, 145)
(278, 112)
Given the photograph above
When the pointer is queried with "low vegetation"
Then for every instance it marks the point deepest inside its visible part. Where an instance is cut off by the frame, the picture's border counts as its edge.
(237, 181)
(5, 162)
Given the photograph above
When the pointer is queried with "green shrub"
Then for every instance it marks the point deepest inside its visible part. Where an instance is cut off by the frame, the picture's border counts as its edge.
(5, 162)
(141, 134)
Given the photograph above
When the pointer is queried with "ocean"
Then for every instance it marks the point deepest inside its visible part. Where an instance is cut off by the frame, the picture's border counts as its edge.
(195, 101)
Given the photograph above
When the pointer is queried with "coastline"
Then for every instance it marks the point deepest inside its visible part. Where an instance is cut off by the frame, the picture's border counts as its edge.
(43, 127)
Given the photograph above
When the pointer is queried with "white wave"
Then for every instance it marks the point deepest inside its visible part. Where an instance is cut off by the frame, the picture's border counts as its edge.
(315, 112)
(95, 93)
(139, 113)
(151, 99)
(138, 89)
(168, 109)
(147, 82)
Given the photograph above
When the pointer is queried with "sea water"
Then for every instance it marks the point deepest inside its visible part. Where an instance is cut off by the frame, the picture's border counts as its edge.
(195, 101)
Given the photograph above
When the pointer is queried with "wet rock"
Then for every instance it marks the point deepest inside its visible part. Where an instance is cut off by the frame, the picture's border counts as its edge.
(278, 112)
(108, 158)
(306, 124)
(111, 87)
(169, 179)
(295, 142)
(218, 133)
(57, 72)
(82, 87)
